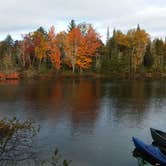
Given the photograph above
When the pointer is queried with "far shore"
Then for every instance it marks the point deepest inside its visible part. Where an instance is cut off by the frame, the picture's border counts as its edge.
(62, 75)
(115, 75)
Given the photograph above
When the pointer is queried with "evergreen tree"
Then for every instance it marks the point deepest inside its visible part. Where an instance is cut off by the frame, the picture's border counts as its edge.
(42, 31)
(71, 26)
(9, 41)
(138, 28)
(6, 46)
(158, 54)
(112, 45)
(108, 35)
(148, 59)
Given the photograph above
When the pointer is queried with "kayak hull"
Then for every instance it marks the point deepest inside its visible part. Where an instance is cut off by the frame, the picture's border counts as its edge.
(158, 136)
(151, 151)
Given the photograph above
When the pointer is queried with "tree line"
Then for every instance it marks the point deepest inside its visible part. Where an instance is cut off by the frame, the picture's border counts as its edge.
(134, 52)
(80, 49)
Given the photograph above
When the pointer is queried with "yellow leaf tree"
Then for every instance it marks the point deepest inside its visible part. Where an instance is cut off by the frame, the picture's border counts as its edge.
(138, 40)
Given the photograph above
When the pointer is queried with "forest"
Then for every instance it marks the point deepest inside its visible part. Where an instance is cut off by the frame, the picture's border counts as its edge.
(80, 50)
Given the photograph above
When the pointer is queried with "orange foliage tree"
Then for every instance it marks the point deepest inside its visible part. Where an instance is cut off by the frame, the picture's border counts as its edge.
(73, 41)
(81, 48)
(61, 44)
(53, 50)
(74, 48)
(89, 48)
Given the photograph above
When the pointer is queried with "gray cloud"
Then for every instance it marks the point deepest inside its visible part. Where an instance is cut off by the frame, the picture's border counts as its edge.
(18, 16)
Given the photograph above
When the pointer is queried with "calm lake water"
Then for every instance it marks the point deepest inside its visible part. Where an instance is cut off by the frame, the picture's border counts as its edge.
(90, 121)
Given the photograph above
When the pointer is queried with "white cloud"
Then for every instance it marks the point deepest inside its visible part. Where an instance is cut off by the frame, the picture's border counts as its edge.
(19, 16)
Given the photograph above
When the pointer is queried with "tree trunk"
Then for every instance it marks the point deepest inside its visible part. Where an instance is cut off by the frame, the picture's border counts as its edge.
(73, 68)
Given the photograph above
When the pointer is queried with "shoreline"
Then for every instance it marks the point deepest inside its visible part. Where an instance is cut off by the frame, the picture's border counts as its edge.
(62, 75)
(121, 76)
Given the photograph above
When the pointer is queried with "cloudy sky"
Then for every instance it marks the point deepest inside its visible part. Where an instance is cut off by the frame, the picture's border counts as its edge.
(21, 16)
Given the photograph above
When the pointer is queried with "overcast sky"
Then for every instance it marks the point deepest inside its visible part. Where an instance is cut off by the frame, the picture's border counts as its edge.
(21, 16)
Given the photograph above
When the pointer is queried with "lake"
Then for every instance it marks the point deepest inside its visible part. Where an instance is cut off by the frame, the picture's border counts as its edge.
(90, 121)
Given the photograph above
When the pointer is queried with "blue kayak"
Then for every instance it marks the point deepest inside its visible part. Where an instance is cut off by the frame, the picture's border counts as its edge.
(151, 151)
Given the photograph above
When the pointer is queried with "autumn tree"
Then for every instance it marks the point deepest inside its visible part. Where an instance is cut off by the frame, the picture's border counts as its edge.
(138, 40)
(83, 59)
(73, 42)
(61, 38)
(80, 49)
(38, 48)
(89, 48)
(53, 50)
(61, 42)
(26, 51)
(117, 57)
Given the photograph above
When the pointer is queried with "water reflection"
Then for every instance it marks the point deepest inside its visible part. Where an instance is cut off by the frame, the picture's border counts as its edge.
(9, 90)
(78, 99)
(85, 116)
